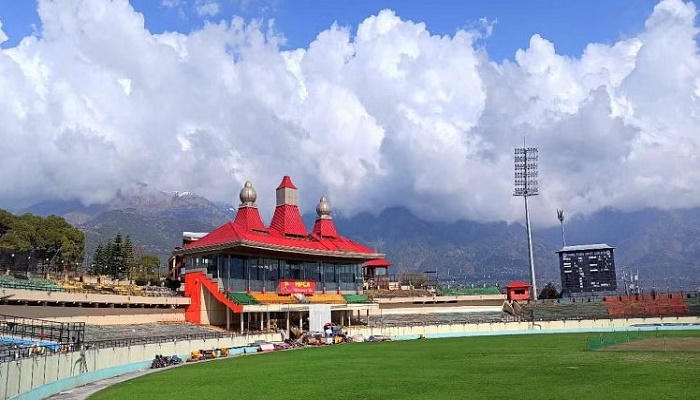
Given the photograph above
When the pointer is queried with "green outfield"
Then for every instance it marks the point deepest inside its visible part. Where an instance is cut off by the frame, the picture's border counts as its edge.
(545, 366)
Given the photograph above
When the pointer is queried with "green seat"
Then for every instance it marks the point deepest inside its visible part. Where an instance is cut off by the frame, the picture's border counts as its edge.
(355, 298)
(242, 298)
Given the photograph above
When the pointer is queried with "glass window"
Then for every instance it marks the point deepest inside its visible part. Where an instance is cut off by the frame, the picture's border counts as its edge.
(235, 266)
(271, 269)
(329, 272)
(345, 273)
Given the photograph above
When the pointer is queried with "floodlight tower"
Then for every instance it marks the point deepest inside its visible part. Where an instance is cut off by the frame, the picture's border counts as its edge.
(526, 185)
(560, 217)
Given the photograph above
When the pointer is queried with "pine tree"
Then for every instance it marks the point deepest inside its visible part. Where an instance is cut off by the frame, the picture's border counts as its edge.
(99, 262)
(117, 267)
(128, 256)
(95, 267)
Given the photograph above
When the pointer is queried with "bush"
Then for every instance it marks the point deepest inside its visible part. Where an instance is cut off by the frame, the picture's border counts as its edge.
(173, 284)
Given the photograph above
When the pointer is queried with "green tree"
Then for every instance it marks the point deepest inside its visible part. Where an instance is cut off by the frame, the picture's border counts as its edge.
(128, 256)
(49, 238)
(100, 259)
(549, 292)
(61, 243)
(147, 266)
(116, 267)
(121, 259)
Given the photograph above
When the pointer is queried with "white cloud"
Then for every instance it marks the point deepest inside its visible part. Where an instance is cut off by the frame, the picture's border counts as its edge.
(384, 114)
(171, 3)
(3, 36)
(206, 8)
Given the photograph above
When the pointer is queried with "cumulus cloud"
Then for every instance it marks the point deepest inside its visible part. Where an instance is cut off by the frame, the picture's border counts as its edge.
(378, 115)
(206, 8)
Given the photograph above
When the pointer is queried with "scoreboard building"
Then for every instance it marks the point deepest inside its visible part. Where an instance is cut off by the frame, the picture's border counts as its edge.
(587, 269)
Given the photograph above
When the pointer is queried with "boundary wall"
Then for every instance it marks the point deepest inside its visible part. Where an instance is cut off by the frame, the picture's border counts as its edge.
(42, 376)
(514, 328)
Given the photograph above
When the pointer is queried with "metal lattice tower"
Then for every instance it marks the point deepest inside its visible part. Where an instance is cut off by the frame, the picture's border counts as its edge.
(526, 185)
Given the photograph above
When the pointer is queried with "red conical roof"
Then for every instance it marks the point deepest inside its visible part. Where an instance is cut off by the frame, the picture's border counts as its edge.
(286, 183)
(248, 218)
(325, 227)
(287, 220)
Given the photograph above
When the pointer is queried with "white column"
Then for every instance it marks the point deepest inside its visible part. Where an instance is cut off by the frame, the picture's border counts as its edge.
(288, 331)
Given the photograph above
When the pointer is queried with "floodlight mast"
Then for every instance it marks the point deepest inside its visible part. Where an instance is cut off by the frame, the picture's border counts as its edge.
(560, 217)
(526, 185)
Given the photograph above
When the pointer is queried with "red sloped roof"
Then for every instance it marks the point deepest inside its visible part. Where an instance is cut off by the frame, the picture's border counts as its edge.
(378, 262)
(518, 284)
(286, 233)
(340, 243)
(224, 234)
(325, 227)
(287, 220)
(232, 232)
(286, 183)
(249, 219)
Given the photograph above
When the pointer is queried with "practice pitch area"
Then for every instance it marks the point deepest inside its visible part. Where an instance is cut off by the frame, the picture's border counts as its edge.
(542, 366)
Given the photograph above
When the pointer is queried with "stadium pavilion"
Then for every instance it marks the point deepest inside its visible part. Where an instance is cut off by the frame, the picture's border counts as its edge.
(246, 276)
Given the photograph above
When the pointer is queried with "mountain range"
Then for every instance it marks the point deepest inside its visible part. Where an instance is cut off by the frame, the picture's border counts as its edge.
(663, 246)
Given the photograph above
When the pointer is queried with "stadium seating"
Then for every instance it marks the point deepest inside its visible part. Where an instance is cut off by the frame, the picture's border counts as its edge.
(429, 318)
(565, 309)
(10, 282)
(173, 329)
(328, 298)
(274, 298)
(476, 291)
(355, 298)
(386, 293)
(74, 286)
(242, 298)
(693, 305)
(660, 305)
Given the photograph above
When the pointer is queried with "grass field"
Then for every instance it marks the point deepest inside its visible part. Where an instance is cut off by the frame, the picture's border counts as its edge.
(547, 366)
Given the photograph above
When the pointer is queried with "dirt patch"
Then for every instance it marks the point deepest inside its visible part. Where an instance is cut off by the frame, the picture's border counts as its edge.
(659, 344)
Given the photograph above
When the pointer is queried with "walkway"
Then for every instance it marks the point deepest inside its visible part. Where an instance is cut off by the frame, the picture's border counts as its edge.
(83, 392)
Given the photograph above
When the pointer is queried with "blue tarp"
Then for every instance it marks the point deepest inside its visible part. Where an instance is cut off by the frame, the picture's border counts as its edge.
(28, 343)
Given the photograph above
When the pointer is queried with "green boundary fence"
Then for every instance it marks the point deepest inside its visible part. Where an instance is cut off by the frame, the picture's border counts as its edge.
(605, 339)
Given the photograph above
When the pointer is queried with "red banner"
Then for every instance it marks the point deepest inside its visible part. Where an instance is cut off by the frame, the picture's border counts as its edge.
(289, 286)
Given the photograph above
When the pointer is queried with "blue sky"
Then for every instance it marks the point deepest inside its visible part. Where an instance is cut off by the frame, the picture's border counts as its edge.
(609, 91)
(570, 25)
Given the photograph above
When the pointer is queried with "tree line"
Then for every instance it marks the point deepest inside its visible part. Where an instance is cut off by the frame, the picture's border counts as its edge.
(32, 243)
(30, 240)
(120, 259)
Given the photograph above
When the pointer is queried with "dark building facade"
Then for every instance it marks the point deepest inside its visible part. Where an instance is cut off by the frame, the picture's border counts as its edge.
(587, 268)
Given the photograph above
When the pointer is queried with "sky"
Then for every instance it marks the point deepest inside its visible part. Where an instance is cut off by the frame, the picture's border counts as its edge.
(370, 103)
